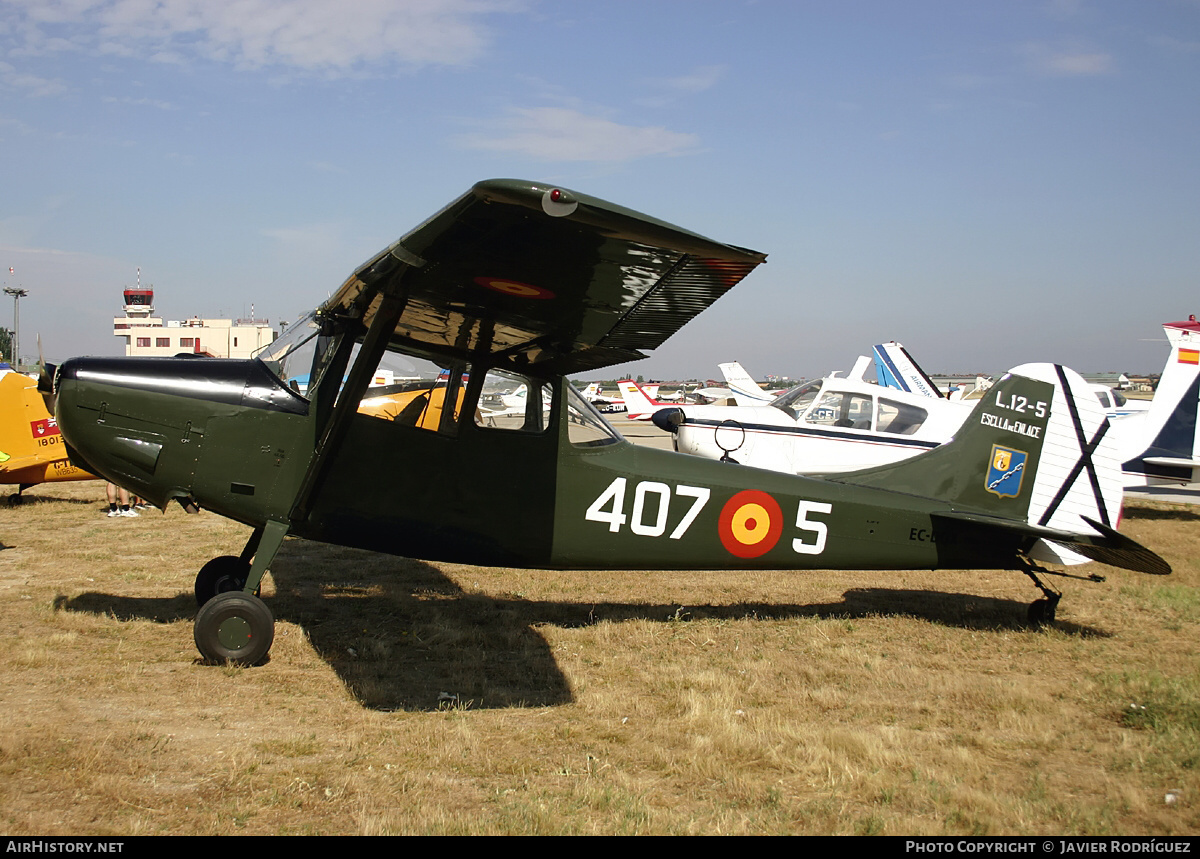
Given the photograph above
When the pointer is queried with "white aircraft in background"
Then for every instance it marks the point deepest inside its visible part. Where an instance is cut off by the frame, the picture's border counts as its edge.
(744, 389)
(639, 405)
(605, 404)
(896, 368)
(839, 423)
(845, 424)
(1160, 446)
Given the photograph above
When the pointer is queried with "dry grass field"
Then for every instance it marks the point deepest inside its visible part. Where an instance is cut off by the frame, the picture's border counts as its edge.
(405, 697)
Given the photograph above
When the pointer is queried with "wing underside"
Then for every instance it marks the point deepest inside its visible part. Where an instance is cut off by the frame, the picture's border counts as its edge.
(542, 279)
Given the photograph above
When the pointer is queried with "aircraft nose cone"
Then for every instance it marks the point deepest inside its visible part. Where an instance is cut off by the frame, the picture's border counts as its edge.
(669, 420)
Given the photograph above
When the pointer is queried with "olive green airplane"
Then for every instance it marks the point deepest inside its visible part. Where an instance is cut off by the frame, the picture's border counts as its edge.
(424, 410)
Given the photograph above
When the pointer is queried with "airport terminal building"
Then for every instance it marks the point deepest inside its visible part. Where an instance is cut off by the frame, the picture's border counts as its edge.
(147, 335)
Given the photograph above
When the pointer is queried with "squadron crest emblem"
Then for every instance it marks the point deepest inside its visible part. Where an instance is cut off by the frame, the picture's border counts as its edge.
(1005, 471)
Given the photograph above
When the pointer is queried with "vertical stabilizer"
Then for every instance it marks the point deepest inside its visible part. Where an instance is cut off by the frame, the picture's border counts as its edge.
(1036, 449)
(638, 406)
(895, 368)
(23, 419)
(746, 391)
(1162, 446)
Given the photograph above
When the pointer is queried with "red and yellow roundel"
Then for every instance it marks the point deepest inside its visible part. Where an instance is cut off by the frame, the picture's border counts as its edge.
(750, 524)
(514, 287)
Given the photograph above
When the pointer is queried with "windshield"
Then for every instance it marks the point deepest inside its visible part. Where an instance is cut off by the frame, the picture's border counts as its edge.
(586, 427)
(793, 402)
(290, 357)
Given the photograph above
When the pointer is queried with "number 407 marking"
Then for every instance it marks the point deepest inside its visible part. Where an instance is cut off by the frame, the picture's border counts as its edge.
(610, 508)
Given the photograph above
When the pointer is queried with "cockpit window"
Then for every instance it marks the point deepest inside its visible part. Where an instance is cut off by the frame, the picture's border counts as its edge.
(291, 356)
(586, 427)
(415, 392)
(841, 409)
(899, 418)
(510, 401)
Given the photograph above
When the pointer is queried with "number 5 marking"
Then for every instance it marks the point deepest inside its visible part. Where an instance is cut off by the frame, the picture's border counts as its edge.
(820, 529)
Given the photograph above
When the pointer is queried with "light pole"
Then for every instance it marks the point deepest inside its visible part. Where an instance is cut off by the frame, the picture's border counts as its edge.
(17, 293)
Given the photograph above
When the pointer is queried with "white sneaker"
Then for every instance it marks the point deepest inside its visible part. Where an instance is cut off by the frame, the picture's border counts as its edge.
(129, 513)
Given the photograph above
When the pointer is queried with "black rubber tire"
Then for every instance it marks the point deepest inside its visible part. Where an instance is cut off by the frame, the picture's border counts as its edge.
(1042, 612)
(234, 628)
(220, 575)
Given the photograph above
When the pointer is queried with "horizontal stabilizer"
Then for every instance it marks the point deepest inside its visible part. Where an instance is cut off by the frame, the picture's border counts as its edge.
(1036, 459)
(16, 463)
(1108, 546)
(1117, 550)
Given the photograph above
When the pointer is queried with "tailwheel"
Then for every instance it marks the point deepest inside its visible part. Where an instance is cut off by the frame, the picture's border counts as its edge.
(234, 627)
(1041, 612)
(221, 575)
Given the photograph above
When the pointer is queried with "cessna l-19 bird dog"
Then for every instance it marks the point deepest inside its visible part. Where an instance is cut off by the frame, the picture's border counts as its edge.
(528, 283)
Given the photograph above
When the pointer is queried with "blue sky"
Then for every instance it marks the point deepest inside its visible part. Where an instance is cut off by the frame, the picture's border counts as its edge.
(987, 182)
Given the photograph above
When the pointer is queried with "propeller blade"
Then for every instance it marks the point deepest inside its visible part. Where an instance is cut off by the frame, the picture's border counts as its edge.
(45, 383)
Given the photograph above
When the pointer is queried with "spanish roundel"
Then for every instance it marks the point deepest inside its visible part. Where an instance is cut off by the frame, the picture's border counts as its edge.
(514, 287)
(750, 524)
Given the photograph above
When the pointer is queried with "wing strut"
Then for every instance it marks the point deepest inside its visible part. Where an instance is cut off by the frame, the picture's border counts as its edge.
(376, 341)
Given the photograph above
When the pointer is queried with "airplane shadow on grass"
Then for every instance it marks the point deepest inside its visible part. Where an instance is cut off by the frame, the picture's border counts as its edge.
(400, 634)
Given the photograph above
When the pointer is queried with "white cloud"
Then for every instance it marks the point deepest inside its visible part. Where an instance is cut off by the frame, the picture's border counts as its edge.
(700, 79)
(1069, 62)
(302, 244)
(311, 35)
(28, 84)
(562, 134)
(140, 102)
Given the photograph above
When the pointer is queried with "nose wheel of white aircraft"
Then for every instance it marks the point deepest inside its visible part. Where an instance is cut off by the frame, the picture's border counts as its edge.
(234, 627)
(221, 575)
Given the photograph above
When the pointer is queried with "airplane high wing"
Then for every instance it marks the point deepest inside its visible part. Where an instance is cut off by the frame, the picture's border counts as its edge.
(540, 278)
(509, 289)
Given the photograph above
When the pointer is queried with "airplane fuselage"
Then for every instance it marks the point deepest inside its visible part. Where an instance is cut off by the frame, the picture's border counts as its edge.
(228, 436)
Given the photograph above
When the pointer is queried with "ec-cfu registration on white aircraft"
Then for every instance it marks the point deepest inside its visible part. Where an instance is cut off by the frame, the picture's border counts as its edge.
(839, 424)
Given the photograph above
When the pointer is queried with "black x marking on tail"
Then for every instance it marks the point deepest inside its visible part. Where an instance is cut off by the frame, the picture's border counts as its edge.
(1086, 449)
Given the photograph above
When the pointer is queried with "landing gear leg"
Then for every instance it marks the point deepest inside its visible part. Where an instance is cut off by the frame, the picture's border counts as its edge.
(1041, 612)
(233, 624)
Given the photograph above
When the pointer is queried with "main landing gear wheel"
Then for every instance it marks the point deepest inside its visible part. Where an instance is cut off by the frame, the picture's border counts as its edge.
(221, 575)
(234, 627)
